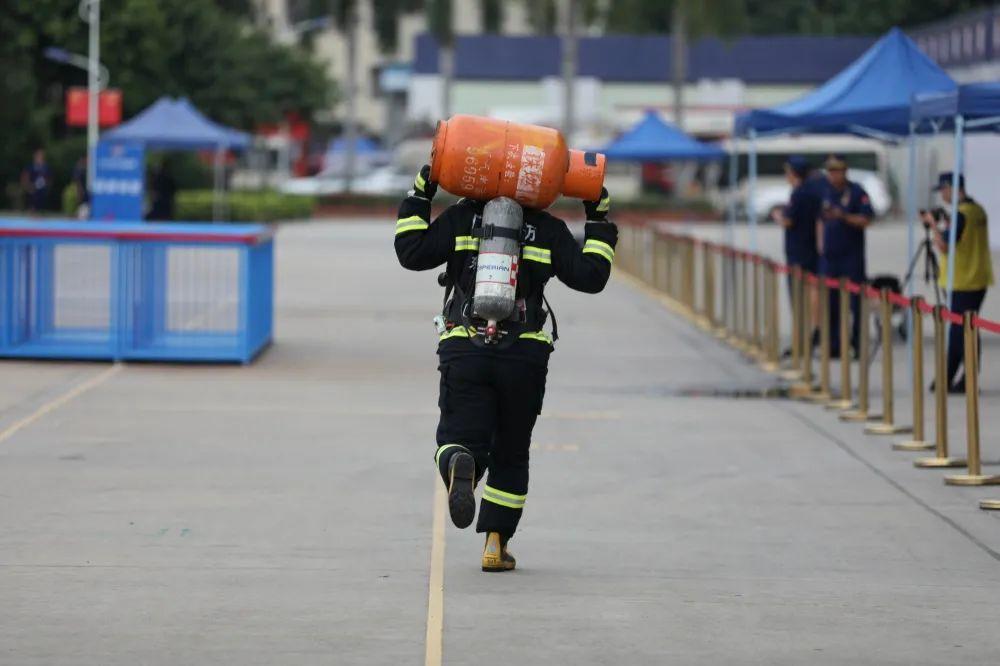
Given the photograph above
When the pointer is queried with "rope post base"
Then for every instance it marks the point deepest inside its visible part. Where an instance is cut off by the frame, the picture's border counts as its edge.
(974, 475)
(888, 426)
(990, 505)
(941, 459)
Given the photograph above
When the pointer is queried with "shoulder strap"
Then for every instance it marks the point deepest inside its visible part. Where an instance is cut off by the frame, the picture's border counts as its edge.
(555, 324)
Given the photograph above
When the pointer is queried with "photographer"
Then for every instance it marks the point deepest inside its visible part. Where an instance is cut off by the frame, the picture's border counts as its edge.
(973, 265)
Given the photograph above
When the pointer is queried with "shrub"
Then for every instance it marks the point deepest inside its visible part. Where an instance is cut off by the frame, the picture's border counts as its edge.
(70, 200)
(263, 206)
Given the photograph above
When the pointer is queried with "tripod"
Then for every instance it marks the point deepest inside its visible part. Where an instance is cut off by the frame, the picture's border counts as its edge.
(932, 270)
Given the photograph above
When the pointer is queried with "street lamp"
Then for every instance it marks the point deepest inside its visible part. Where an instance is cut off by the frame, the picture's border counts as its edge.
(56, 54)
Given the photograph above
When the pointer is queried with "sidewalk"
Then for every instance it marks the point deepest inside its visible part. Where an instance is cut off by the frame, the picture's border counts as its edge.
(282, 513)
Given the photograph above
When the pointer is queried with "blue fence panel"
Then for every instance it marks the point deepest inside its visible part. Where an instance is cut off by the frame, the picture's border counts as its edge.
(135, 291)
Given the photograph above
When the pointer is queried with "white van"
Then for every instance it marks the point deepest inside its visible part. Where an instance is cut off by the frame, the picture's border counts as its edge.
(867, 160)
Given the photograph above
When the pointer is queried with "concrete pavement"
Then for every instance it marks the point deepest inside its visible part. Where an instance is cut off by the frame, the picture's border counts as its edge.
(282, 513)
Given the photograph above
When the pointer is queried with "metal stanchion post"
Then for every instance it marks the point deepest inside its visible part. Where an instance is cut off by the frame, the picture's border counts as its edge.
(844, 401)
(804, 388)
(888, 425)
(756, 344)
(689, 277)
(861, 413)
(823, 393)
(941, 457)
(708, 277)
(974, 474)
(794, 371)
(736, 330)
(918, 443)
(772, 325)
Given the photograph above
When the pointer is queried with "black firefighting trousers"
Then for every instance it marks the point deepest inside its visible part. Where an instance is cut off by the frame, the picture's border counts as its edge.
(489, 405)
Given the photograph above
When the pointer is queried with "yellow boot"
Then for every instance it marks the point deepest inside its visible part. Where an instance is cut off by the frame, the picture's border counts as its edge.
(496, 557)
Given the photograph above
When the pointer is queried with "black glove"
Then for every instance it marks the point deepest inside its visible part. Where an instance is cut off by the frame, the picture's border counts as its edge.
(423, 186)
(597, 211)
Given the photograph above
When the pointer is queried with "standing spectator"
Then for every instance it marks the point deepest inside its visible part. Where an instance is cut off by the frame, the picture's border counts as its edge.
(800, 219)
(846, 213)
(973, 265)
(80, 186)
(162, 190)
(36, 180)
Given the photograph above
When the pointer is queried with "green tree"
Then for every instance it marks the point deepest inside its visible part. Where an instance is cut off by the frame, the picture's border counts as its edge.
(194, 48)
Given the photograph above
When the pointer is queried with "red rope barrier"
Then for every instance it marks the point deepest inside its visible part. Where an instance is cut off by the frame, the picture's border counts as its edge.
(853, 287)
(899, 299)
(925, 307)
(948, 315)
(986, 325)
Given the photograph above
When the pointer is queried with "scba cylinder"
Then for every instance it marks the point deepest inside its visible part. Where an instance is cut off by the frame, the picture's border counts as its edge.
(484, 158)
(499, 252)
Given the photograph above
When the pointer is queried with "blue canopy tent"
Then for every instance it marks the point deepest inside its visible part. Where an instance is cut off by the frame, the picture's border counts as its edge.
(968, 108)
(175, 124)
(655, 140)
(871, 97)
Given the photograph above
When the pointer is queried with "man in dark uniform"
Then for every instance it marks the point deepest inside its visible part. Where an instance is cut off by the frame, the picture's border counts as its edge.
(491, 394)
(846, 213)
(800, 219)
(973, 265)
(36, 180)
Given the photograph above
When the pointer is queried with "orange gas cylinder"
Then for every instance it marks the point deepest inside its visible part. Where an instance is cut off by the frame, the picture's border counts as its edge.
(484, 158)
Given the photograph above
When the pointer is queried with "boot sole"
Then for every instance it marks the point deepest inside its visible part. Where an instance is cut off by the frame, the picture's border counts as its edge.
(497, 569)
(461, 499)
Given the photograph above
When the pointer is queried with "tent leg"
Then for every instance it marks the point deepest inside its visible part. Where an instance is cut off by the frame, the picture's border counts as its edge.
(752, 190)
(911, 241)
(217, 186)
(953, 228)
(727, 291)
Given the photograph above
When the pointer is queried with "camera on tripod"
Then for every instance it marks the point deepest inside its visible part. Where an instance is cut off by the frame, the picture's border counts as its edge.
(940, 216)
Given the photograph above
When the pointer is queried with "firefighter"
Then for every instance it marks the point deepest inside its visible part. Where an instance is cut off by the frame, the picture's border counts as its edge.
(491, 394)
(973, 265)
(846, 212)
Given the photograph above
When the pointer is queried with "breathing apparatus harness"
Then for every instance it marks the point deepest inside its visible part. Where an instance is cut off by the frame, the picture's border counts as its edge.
(457, 305)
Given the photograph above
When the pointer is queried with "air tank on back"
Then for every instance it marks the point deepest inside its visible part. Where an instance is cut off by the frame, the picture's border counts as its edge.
(496, 271)
(483, 158)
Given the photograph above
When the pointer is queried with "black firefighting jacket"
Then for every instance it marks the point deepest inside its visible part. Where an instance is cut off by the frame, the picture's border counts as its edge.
(548, 248)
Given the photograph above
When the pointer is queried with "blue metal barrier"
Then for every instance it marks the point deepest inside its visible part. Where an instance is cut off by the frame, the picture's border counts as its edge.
(158, 292)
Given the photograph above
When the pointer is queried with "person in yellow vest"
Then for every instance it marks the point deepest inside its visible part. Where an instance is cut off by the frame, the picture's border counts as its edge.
(973, 265)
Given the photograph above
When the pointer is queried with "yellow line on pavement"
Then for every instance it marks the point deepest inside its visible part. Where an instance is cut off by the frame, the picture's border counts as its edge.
(60, 400)
(435, 590)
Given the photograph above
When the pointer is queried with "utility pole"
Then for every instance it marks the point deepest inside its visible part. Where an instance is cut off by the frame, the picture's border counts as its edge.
(90, 11)
(678, 39)
(351, 122)
(569, 57)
